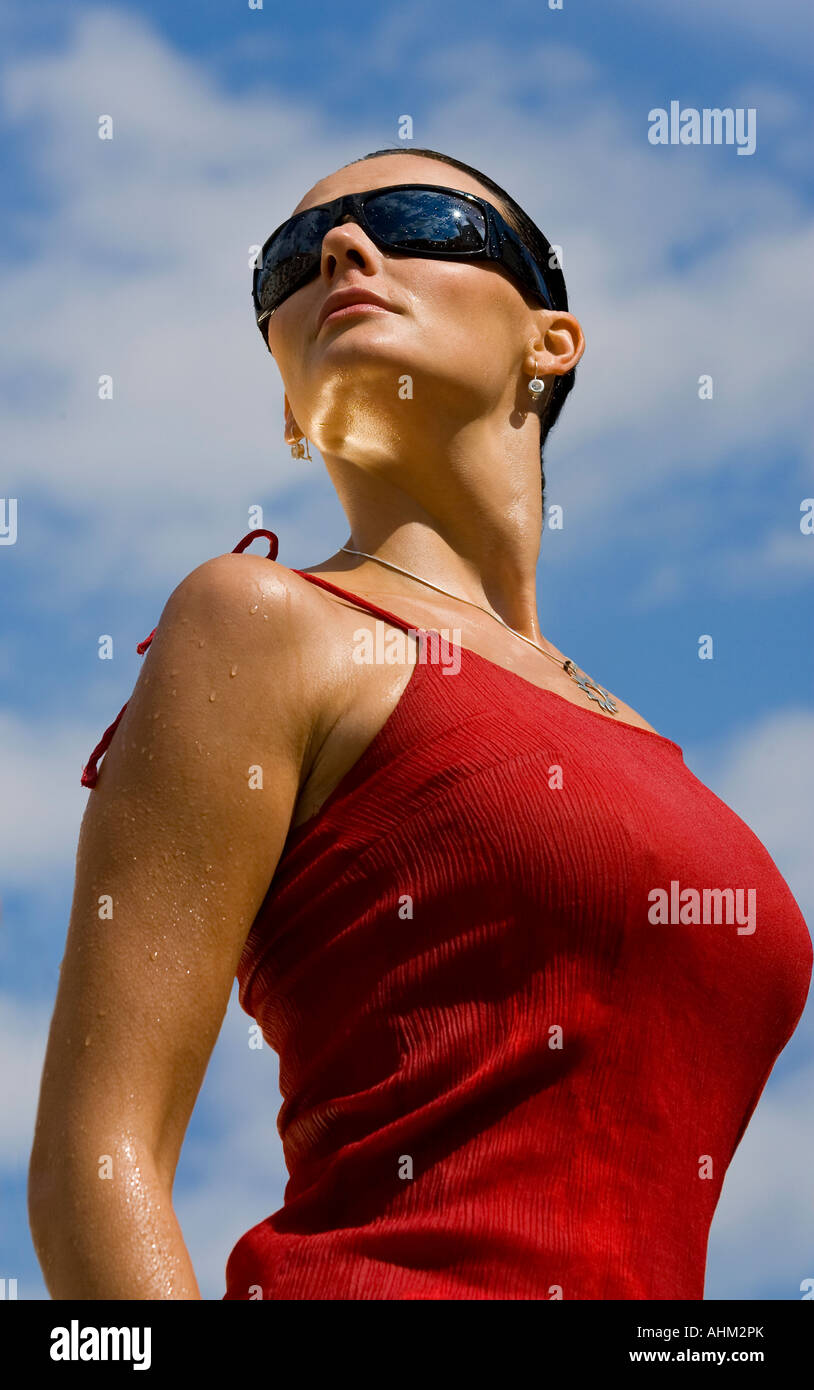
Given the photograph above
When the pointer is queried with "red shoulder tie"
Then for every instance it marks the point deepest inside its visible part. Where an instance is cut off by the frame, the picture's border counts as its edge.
(247, 540)
(90, 772)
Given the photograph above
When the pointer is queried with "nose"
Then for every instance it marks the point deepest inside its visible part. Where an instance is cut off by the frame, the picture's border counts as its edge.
(347, 243)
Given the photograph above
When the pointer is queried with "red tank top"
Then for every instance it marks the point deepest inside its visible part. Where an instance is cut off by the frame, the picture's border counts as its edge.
(520, 1035)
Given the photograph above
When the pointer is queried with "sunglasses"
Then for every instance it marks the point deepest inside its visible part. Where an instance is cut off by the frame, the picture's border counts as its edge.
(419, 219)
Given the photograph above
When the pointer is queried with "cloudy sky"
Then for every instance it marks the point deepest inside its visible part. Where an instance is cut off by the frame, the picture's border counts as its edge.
(682, 515)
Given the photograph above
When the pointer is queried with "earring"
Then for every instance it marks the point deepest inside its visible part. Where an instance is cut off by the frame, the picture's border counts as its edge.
(536, 385)
(298, 452)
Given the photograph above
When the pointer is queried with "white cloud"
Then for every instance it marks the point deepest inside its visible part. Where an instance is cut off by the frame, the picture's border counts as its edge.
(23, 1035)
(43, 800)
(762, 1234)
(766, 774)
(151, 284)
(782, 558)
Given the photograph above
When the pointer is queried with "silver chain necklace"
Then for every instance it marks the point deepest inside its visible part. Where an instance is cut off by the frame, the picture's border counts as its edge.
(585, 683)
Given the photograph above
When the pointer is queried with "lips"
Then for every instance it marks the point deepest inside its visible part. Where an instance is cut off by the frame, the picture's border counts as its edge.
(340, 299)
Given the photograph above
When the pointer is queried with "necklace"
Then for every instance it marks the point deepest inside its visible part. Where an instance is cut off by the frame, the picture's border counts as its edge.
(590, 687)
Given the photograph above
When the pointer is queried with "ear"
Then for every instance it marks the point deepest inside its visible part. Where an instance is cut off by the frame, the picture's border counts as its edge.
(558, 344)
(292, 431)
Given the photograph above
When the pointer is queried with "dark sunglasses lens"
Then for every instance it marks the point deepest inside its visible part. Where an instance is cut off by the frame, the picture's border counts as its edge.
(291, 257)
(420, 220)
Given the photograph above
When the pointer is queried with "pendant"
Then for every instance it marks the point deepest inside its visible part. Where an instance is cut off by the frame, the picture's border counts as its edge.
(583, 681)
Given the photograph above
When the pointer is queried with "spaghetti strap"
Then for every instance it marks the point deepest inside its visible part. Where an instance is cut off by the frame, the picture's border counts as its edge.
(383, 613)
(90, 771)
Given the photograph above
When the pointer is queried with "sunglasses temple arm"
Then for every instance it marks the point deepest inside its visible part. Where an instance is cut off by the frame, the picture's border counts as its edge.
(516, 256)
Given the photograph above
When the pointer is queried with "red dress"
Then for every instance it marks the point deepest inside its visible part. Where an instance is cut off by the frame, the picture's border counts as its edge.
(509, 1069)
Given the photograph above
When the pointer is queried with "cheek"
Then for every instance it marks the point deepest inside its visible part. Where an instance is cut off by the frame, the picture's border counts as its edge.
(290, 325)
(287, 340)
(461, 301)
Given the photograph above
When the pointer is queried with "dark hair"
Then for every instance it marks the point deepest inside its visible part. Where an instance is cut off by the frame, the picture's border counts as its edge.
(536, 243)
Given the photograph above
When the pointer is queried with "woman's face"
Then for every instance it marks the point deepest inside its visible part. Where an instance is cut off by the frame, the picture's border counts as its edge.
(459, 331)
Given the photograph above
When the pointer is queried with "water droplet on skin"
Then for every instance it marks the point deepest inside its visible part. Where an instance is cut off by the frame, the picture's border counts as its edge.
(233, 671)
(154, 955)
(254, 607)
(87, 1041)
(212, 696)
(200, 644)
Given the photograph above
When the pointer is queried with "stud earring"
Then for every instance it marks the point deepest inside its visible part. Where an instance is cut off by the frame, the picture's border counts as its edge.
(536, 385)
(297, 450)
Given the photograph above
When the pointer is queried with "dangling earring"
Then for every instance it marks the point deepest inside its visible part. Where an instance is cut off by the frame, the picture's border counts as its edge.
(298, 452)
(536, 385)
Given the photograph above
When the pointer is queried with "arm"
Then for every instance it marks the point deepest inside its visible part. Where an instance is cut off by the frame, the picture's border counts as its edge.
(178, 848)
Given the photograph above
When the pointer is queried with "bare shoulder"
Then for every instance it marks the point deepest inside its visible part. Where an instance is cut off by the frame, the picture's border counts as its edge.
(248, 605)
(253, 592)
(229, 666)
(254, 630)
(281, 661)
(229, 586)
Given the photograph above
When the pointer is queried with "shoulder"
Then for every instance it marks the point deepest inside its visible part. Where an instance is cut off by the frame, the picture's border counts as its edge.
(246, 600)
(232, 583)
(244, 668)
(222, 584)
(252, 598)
(232, 616)
(244, 615)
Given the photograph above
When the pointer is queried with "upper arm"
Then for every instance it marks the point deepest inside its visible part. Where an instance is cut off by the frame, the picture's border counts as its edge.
(177, 847)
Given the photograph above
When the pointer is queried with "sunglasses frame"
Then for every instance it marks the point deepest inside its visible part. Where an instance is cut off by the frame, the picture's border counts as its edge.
(503, 246)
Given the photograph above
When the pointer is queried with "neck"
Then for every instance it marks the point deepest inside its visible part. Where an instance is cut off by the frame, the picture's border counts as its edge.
(466, 520)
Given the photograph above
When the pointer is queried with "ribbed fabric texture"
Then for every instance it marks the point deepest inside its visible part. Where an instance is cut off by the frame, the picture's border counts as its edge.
(500, 1079)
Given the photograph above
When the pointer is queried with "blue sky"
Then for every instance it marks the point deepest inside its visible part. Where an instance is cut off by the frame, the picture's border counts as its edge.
(682, 516)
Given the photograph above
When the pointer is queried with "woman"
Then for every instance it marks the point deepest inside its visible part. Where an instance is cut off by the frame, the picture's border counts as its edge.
(451, 875)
